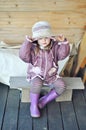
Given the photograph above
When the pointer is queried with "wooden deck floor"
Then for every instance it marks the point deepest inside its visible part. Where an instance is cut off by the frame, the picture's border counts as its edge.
(15, 115)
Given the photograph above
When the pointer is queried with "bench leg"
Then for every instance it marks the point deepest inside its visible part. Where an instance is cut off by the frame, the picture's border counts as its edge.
(66, 96)
(25, 95)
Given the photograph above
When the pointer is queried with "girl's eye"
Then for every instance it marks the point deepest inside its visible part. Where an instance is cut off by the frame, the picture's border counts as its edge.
(40, 38)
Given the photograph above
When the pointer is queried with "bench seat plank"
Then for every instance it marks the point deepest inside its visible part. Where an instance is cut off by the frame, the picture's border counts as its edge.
(71, 82)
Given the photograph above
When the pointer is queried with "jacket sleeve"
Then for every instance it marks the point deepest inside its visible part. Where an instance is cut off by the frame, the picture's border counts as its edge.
(63, 50)
(25, 51)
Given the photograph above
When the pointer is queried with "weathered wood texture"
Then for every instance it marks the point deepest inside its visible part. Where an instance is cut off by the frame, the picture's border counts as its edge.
(81, 61)
(17, 18)
(15, 115)
(21, 82)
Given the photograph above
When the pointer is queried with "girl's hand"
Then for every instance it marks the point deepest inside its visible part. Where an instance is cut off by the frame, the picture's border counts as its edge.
(60, 38)
(28, 38)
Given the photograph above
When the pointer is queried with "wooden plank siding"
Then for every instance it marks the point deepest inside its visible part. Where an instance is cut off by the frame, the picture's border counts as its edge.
(42, 5)
(17, 18)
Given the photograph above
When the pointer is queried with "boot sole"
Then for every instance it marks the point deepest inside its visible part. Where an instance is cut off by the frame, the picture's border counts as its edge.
(35, 116)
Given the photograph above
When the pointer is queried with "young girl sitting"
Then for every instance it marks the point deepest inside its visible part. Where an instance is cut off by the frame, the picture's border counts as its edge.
(42, 52)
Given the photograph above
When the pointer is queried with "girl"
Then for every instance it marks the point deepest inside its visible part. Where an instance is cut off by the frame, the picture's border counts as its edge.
(42, 52)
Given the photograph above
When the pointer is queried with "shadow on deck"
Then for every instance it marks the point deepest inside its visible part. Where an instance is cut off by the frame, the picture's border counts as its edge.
(15, 115)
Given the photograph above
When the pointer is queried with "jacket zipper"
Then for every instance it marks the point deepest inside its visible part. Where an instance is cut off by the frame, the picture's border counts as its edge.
(45, 65)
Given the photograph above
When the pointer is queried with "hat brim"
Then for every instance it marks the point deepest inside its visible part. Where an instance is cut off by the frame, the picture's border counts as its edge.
(51, 36)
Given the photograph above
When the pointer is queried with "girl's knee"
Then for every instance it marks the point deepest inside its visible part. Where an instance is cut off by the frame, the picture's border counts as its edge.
(60, 86)
(36, 85)
(60, 89)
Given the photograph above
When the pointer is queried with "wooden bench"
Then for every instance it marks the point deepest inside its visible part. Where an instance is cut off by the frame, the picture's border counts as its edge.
(71, 82)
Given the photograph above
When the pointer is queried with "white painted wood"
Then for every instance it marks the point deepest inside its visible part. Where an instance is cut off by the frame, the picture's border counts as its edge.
(25, 95)
(71, 82)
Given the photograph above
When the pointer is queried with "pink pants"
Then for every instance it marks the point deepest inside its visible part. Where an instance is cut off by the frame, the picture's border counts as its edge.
(37, 83)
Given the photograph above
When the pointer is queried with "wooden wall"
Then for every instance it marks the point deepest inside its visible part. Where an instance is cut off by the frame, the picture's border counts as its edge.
(18, 16)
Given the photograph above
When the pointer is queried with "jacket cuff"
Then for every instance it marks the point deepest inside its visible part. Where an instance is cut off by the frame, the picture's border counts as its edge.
(63, 42)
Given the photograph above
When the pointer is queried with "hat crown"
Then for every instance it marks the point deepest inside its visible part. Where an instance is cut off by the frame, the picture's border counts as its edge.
(41, 29)
(41, 25)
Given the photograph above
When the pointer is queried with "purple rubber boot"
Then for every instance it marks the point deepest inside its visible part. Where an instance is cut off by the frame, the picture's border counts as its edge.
(47, 98)
(34, 105)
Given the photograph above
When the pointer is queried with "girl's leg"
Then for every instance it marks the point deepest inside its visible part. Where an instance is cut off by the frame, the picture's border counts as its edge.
(59, 86)
(35, 89)
(58, 89)
(36, 85)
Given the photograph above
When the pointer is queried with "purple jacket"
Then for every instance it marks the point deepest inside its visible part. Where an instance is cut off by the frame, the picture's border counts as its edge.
(44, 64)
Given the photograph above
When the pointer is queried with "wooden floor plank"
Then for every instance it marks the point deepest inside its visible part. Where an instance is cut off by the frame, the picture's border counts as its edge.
(3, 97)
(25, 120)
(40, 123)
(11, 113)
(80, 109)
(54, 116)
(62, 116)
(84, 92)
(68, 116)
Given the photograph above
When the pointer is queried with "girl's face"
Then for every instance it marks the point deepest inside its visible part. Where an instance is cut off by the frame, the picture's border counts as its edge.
(44, 42)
